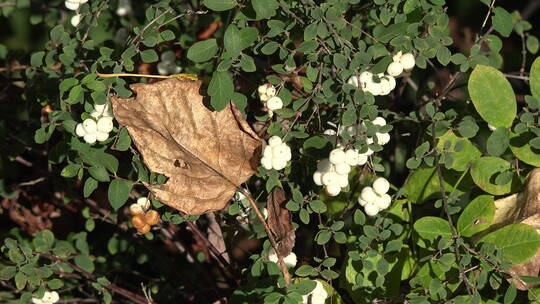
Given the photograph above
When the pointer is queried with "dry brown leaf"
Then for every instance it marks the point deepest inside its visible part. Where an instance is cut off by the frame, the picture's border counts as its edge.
(205, 154)
(522, 208)
(280, 221)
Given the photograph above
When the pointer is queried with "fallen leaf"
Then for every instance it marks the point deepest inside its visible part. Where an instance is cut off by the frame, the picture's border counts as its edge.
(522, 208)
(280, 221)
(206, 155)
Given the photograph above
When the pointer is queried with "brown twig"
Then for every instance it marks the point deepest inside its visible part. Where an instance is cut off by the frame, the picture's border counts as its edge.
(121, 291)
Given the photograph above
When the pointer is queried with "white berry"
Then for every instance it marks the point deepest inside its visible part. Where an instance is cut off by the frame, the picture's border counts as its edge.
(105, 124)
(407, 61)
(332, 190)
(262, 89)
(135, 209)
(371, 209)
(330, 178)
(267, 152)
(102, 136)
(266, 162)
(380, 186)
(382, 138)
(279, 163)
(337, 156)
(363, 158)
(90, 138)
(383, 201)
(351, 157)
(353, 80)
(72, 5)
(271, 91)
(343, 180)
(385, 87)
(263, 97)
(343, 168)
(75, 20)
(368, 194)
(274, 103)
(281, 151)
(144, 202)
(90, 125)
(79, 130)
(392, 82)
(361, 201)
(394, 69)
(317, 178)
(366, 77)
(379, 121)
(274, 141)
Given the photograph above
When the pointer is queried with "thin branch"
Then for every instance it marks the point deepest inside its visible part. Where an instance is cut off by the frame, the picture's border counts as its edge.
(487, 15)
(121, 291)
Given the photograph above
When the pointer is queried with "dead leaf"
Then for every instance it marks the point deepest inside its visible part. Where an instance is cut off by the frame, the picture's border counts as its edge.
(205, 154)
(280, 221)
(521, 208)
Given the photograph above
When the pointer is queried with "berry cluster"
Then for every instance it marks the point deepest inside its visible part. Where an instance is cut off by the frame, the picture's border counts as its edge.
(400, 63)
(289, 260)
(98, 127)
(267, 94)
(333, 172)
(167, 65)
(276, 154)
(143, 219)
(382, 137)
(375, 199)
(382, 84)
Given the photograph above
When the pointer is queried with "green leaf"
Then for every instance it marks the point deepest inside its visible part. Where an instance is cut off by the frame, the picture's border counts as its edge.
(85, 262)
(498, 142)
(502, 21)
(118, 193)
(70, 170)
(55, 284)
(36, 59)
(20, 280)
(477, 216)
(7, 272)
(149, 56)
(124, 140)
(303, 287)
(518, 242)
(99, 173)
(231, 40)
(532, 44)
(519, 145)
(221, 89)
(430, 228)
(534, 78)
(89, 186)
(264, 8)
(510, 294)
(467, 153)
(202, 50)
(484, 171)
(492, 96)
(247, 63)
(220, 5)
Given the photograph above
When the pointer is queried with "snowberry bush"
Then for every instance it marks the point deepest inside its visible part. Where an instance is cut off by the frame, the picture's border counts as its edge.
(388, 148)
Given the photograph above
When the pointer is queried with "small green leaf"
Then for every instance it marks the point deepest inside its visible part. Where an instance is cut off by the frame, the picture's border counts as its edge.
(124, 140)
(203, 50)
(220, 5)
(430, 228)
(85, 262)
(70, 170)
(502, 21)
(118, 193)
(264, 8)
(492, 96)
(221, 89)
(149, 56)
(89, 186)
(498, 142)
(477, 216)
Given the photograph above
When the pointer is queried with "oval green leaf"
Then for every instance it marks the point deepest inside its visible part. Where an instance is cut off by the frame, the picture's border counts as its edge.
(477, 216)
(468, 153)
(518, 242)
(431, 227)
(519, 144)
(492, 96)
(534, 78)
(118, 193)
(220, 5)
(202, 50)
(484, 171)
